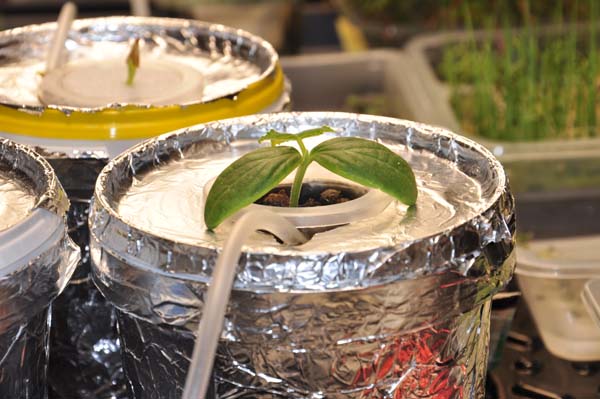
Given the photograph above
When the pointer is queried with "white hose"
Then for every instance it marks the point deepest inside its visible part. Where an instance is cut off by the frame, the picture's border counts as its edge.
(63, 25)
(139, 8)
(217, 297)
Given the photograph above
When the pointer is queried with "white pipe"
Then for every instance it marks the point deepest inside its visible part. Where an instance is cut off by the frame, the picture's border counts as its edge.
(140, 8)
(63, 25)
(219, 290)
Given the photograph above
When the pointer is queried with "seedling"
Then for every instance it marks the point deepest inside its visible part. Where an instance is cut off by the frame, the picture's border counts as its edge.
(520, 86)
(133, 61)
(253, 175)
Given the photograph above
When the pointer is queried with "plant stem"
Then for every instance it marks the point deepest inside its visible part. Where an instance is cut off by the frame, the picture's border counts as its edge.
(297, 185)
(300, 172)
(131, 69)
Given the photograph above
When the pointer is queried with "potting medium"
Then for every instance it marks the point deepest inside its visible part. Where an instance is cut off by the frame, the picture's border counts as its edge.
(82, 113)
(37, 258)
(396, 304)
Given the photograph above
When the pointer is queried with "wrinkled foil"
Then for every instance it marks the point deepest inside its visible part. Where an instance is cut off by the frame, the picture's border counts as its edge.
(24, 351)
(32, 170)
(27, 292)
(85, 345)
(230, 59)
(16, 201)
(399, 311)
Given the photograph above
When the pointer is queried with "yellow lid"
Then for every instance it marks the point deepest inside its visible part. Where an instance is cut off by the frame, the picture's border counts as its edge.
(131, 122)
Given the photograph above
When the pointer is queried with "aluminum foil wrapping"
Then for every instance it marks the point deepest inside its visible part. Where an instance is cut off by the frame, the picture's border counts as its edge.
(27, 291)
(230, 59)
(85, 344)
(394, 306)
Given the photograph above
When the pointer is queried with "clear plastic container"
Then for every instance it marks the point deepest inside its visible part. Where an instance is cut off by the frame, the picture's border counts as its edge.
(552, 275)
(591, 299)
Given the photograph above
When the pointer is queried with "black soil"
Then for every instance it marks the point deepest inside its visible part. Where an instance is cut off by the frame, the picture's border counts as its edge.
(312, 194)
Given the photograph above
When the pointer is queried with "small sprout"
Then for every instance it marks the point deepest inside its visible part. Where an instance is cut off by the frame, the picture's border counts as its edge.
(133, 61)
(256, 173)
(528, 88)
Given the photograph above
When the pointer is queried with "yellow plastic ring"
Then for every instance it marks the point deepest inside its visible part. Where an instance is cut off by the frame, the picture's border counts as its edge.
(131, 123)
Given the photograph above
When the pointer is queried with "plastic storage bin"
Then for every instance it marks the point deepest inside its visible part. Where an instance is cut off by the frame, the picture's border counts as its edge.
(552, 275)
(591, 299)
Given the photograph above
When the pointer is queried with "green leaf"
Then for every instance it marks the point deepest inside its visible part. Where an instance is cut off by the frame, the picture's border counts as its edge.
(276, 137)
(370, 164)
(246, 180)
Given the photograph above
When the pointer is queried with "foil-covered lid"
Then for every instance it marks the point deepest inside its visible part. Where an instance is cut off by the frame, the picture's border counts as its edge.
(149, 206)
(229, 60)
(37, 257)
(17, 199)
(27, 182)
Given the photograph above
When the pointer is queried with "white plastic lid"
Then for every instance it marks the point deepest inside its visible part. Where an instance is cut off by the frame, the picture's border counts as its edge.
(591, 298)
(33, 236)
(97, 83)
(576, 257)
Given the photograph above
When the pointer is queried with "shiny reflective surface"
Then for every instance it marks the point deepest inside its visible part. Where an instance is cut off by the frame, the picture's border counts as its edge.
(396, 306)
(85, 348)
(447, 197)
(27, 290)
(33, 176)
(229, 59)
(16, 200)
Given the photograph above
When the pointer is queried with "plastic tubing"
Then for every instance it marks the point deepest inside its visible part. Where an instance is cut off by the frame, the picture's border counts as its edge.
(63, 25)
(219, 291)
(139, 8)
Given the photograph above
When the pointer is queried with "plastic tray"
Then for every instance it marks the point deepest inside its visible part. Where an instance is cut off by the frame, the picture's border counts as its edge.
(532, 166)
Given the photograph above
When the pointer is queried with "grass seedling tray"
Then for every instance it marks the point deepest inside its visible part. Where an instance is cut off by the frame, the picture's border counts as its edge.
(536, 165)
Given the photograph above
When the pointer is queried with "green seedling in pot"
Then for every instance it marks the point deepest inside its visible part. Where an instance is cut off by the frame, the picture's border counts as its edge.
(256, 173)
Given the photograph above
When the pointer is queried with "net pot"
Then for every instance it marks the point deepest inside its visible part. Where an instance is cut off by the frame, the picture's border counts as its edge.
(395, 304)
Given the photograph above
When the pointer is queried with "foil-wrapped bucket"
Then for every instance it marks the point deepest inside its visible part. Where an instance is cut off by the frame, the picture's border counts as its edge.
(395, 305)
(37, 258)
(241, 75)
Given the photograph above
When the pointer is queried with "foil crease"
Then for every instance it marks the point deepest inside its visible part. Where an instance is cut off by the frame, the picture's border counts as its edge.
(230, 59)
(337, 336)
(29, 165)
(24, 358)
(27, 292)
(85, 345)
